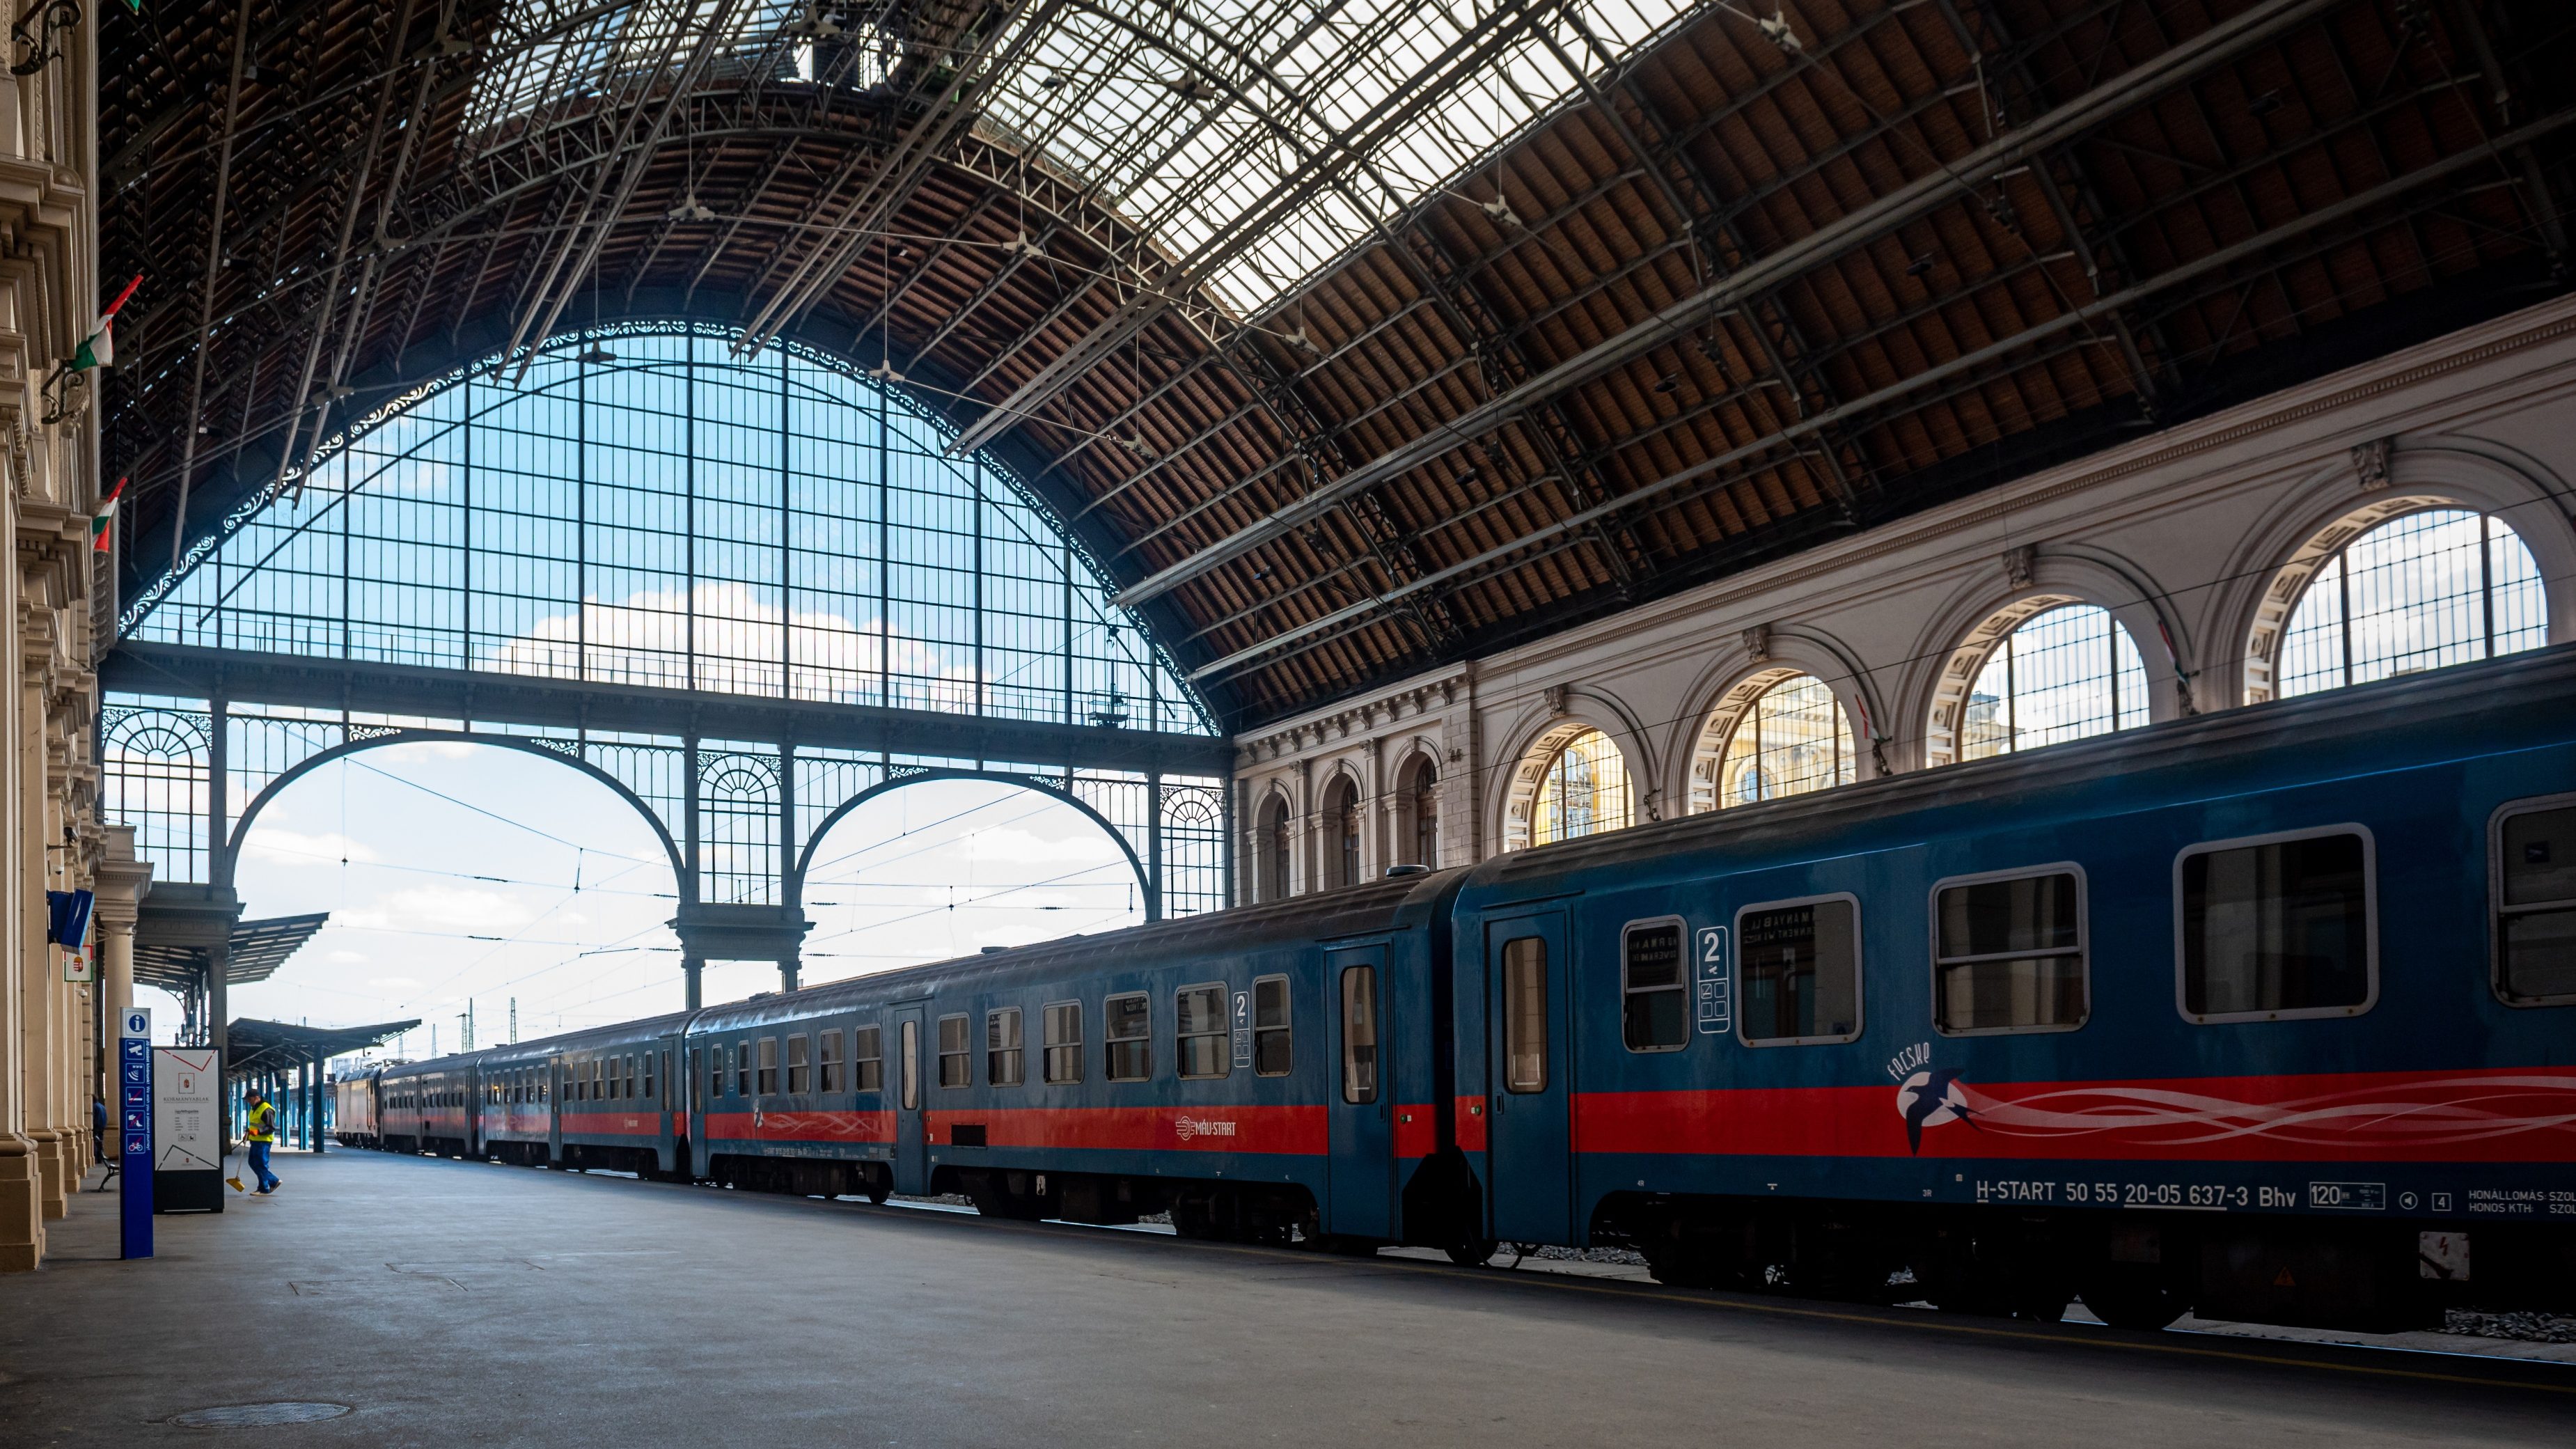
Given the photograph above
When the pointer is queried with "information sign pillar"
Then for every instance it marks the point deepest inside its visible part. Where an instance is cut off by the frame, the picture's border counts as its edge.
(134, 1132)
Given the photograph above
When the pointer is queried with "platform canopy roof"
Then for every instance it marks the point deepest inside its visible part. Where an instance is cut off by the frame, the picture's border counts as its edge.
(1354, 335)
(258, 948)
(277, 1045)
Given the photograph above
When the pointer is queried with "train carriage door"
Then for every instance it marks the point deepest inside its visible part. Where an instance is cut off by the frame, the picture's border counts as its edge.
(554, 1080)
(1530, 1133)
(911, 1154)
(1362, 1170)
(693, 1126)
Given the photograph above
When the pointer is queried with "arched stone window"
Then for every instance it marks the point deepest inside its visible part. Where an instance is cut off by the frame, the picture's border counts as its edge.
(2040, 671)
(1775, 734)
(1342, 833)
(2064, 673)
(1417, 806)
(1272, 848)
(2418, 591)
(1583, 791)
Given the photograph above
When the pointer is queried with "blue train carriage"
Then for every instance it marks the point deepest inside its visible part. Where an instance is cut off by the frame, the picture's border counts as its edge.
(516, 1105)
(1265, 1074)
(615, 1100)
(430, 1107)
(2266, 1013)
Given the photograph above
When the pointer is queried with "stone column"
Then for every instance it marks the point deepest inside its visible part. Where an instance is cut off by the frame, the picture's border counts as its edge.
(40, 974)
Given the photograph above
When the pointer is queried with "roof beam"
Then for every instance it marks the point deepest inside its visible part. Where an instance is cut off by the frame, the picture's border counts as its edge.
(1965, 365)
(2214, 47)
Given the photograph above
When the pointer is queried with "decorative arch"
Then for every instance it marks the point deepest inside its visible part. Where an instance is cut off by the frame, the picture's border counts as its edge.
(1718, 732)
(1274, 849)
(1773, 653)
(1520, 798)
(1414, 786)
(1153, 895)
(1962, 637)
(222, 866)
(1341, 828)
(2268, 575)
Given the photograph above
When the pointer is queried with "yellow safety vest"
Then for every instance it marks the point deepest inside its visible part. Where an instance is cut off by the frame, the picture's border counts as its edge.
(263, 1122)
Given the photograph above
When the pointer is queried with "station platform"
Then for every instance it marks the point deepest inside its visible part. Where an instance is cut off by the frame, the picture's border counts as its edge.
(418, 1301)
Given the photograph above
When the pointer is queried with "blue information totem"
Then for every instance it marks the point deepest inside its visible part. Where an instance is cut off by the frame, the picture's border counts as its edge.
(134, 1131)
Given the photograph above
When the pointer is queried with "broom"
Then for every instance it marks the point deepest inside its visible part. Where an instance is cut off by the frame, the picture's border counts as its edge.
(235, 1181)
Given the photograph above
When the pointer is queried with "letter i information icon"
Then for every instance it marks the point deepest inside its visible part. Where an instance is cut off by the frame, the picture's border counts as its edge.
(134, 1134)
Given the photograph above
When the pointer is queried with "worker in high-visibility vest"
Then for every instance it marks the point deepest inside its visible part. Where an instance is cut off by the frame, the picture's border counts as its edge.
(263, 1135)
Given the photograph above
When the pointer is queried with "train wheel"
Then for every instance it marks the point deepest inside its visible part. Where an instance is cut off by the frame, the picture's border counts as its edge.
(2124, 1297)
(1472, 1252)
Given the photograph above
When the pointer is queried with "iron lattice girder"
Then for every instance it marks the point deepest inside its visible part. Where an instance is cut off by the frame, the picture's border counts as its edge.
(535, 702)
(1962, 370)
(1920, 197)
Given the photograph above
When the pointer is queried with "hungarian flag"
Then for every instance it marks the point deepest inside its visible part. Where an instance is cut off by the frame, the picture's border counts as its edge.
(99, 348)
(102, 524)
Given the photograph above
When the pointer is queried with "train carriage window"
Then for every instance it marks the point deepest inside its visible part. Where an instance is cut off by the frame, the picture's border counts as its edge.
(1274, 1046)
(1654, 1007)
(956, 1059)
(2008, 953)
(1063, 1024)
(715, 1070)
(800, 1072)
(908, 1066)
(829, 1060)
(1129, 1033)
(1359, 1034)
(598, 1080)
(2277, 926)
(1525, 1015)
(1203, 1042)
(2535, 902)
(768, 1066)
(1799, 963)
(867, 1059)
(742, 1069)
(1003, 1066)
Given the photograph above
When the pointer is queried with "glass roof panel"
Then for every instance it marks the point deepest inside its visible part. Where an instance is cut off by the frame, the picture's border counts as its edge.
(1191, 129)
(1189, 117)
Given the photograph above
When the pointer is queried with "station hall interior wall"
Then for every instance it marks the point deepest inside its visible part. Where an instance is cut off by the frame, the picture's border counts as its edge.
(59, 610)
(2199, 528)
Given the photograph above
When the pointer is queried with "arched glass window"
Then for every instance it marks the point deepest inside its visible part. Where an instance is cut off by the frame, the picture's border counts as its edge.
(1789, 740)
(647, 509)
(2445, 586)
(2064, 674)
(1584, 792)
(1342, 832)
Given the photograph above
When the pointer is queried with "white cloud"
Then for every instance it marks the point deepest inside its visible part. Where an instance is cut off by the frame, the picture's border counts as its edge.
(646, 639)
(296, 848)
(439, 908)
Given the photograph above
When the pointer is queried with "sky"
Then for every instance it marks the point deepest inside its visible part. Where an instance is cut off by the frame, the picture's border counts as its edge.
(459, 874)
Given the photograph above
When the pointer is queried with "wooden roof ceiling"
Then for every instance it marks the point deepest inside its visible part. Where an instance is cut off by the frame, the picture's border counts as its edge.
(1732, 296)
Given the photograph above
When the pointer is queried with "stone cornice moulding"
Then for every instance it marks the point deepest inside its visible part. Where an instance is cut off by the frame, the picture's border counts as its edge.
(1383, 712)
(2296, 424)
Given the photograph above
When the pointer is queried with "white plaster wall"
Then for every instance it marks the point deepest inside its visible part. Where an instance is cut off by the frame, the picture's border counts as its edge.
(2186, 528)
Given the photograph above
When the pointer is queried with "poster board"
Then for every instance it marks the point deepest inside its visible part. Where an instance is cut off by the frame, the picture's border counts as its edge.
(187, 1130)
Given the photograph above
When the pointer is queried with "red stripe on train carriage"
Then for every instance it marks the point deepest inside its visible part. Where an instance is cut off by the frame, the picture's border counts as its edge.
(1297, 1130)
(2484, 1115)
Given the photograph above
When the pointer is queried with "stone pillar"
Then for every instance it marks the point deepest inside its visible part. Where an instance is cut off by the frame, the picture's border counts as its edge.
(43, 1031)
(691, 969)
(787, 973)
